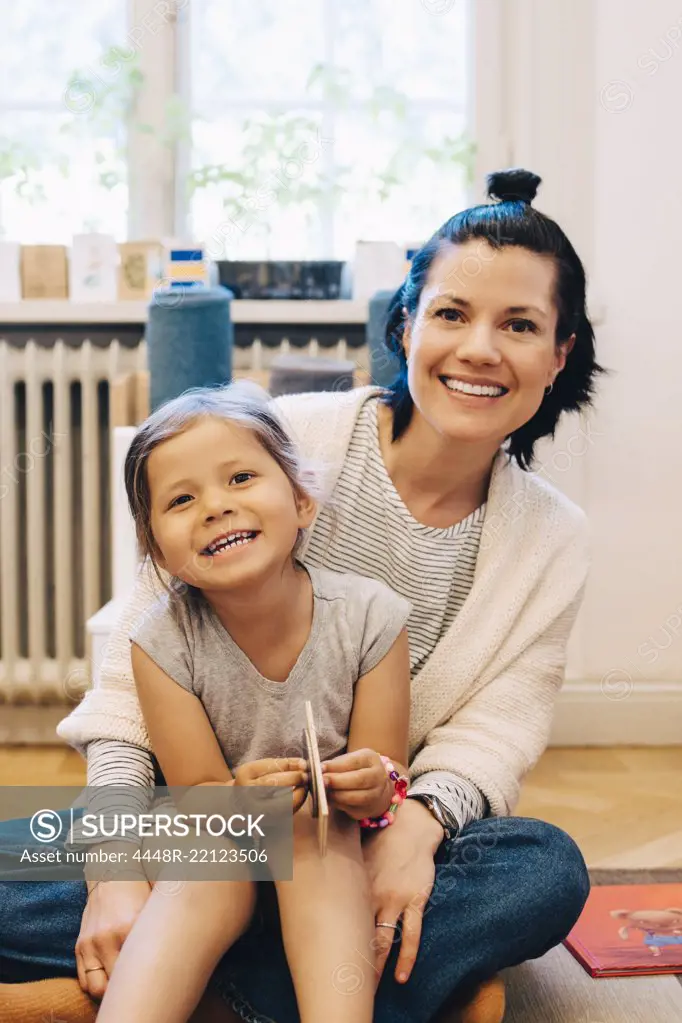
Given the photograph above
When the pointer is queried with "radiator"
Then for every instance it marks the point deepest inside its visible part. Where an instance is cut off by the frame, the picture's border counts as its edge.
(55, 542)
(55, 495)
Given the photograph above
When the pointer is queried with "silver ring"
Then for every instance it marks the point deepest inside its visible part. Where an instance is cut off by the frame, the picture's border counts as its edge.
(94, 969)
(394, 927)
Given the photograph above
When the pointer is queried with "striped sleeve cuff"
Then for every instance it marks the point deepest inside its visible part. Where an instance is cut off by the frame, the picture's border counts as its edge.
(119, 763)
(120, 780)
(461, 800)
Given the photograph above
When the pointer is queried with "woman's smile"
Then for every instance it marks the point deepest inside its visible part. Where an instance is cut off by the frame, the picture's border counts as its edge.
(476, 394)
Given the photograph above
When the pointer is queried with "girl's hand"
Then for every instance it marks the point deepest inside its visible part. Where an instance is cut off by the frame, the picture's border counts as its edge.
(401, 869)
(357, 783)
(285, 772)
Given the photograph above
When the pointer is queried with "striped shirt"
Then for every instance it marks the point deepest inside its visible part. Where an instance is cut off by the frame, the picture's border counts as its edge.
(433, 568)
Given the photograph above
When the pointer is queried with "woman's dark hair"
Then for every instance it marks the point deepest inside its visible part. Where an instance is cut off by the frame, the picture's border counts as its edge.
(511, 220)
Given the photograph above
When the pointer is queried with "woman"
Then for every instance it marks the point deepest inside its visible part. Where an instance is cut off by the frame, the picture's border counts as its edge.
(429, 493)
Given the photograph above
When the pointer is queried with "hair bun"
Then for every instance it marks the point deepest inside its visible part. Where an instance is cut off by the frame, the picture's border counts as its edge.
(513, 185)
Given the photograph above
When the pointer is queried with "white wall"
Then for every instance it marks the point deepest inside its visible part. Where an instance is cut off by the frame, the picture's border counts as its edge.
(588, 94)
(635, 471)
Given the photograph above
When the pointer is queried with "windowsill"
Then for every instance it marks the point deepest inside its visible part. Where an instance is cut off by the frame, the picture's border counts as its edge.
(50, 311)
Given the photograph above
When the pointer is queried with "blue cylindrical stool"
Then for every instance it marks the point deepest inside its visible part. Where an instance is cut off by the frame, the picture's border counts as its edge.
(384, 365)
(189, 341)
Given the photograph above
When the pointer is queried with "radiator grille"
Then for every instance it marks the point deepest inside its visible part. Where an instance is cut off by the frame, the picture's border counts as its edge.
(55, 564)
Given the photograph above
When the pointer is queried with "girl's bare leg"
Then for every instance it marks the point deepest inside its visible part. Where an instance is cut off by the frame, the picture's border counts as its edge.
(175, 944)
(327, 924)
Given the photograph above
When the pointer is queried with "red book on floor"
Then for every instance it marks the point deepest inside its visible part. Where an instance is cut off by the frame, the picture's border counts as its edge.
(628, 930)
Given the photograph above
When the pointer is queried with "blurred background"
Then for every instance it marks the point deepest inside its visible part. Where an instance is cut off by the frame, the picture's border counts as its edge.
(298, 152)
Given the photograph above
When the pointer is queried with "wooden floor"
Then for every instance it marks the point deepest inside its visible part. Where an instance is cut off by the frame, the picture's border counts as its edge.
(622, 806)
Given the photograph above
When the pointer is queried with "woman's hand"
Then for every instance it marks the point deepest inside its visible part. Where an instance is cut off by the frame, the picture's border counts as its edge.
(110, 912)
(358, 784)
(286, 772)
(400, 864)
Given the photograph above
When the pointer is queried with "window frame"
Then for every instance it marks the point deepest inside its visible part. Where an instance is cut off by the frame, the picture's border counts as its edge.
(158, 204)
(178, 224)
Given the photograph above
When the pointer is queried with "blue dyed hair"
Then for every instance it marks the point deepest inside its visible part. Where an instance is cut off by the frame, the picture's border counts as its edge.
(510, 221)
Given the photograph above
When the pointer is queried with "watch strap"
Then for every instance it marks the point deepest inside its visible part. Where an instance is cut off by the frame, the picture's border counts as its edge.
(435, 808)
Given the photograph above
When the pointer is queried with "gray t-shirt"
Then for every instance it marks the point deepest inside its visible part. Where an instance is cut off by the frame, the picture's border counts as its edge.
(355, 623)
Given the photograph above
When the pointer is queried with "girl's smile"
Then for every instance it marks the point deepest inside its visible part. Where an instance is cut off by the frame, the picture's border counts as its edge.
(227, 543)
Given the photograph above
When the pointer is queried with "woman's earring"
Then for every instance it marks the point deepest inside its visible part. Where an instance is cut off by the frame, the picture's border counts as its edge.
(548, 390)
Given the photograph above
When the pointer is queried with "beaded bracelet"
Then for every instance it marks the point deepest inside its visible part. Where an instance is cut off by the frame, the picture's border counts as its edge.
(400, 791)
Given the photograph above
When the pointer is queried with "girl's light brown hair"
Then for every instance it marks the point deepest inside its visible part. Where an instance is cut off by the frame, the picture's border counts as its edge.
(243, 403)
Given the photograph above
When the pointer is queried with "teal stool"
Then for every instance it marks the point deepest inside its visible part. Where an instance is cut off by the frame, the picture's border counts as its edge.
(189, 341)
(384, 365)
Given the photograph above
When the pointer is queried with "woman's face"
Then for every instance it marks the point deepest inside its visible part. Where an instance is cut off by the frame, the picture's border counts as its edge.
(481, 348)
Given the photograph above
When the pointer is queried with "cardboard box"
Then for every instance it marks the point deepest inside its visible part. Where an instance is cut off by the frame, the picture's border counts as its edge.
(93, 268)
(140, 269)
(44, 271)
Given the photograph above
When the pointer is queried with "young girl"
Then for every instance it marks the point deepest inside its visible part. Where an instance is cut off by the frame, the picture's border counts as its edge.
(223, 667)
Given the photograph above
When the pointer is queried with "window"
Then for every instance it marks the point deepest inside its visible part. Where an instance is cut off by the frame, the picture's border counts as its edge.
(61, 164)
(319, 122)
(265, 129)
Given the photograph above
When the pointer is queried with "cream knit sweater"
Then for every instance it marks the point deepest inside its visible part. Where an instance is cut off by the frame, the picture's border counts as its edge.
(482, 704)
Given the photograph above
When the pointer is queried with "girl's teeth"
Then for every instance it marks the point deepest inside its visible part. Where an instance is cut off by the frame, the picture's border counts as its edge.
(238, 540)
(485, 390)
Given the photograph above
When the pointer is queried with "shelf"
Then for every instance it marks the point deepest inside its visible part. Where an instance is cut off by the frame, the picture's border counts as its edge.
(54, 311)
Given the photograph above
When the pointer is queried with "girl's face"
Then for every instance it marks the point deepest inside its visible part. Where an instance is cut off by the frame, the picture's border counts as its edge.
(481, 347)
(223, 512)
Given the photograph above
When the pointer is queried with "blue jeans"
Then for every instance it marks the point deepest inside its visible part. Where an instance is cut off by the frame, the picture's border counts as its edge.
(506, 890)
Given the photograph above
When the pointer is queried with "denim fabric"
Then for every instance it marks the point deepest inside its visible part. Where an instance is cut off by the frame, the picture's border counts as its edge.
(507, 890)
(39, 920)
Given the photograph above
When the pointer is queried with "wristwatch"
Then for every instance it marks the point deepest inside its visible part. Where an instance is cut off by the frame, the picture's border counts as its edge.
(437, 810)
